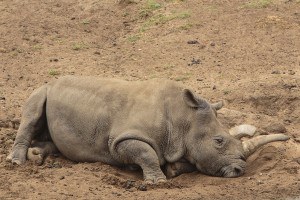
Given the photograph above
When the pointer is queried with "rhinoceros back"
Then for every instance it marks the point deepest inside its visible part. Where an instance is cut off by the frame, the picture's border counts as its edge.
(84, 113)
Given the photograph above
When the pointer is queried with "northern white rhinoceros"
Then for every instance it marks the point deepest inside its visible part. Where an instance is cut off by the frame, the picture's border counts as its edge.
(146, 123)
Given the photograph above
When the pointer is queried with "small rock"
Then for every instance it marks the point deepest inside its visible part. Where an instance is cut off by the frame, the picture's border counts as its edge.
(193, 42)
(53, 60)
(275, 72)
(4, 123)
(57, 165)
(142, 187)
(287, 121)
(2, 50)
(275, 128)
(132, 189)
(201, 46)
(297, 139)
(97, 52)
(214, 87)
(199, 79)
(2, 98)
(291, 72)
(194, 62)
(128, 184)
(9, 142)
(62, 177)
(289, 86)
(259, 182)
(212, 44)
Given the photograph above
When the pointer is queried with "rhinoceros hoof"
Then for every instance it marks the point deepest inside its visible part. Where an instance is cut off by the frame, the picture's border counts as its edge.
(13, 160)
(157, 180)
(36, 155)
(16, 157)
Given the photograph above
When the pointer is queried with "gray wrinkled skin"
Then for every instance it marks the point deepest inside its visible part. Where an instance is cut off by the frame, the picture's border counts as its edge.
(146, 123)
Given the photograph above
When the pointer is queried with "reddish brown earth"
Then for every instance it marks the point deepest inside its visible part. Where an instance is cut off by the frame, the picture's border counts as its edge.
(247, 53)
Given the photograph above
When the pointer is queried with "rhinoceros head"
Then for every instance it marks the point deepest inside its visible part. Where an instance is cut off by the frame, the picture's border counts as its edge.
(214, 149)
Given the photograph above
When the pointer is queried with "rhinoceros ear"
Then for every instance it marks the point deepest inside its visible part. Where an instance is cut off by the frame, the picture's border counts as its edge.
(192, 101)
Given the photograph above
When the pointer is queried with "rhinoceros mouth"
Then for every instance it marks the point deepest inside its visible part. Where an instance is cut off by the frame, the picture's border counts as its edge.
(231, 171)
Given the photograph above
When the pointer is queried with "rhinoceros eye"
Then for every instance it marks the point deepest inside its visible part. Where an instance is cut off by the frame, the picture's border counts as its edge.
(219, 140)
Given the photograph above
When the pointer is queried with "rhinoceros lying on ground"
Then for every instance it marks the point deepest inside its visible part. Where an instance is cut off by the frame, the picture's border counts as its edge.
(146, 123)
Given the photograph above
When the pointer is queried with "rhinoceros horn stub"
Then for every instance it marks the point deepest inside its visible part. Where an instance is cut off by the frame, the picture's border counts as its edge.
(251, 145)
(242, 131)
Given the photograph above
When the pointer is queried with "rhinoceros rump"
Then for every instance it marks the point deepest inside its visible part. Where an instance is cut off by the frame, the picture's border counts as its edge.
(147, 123)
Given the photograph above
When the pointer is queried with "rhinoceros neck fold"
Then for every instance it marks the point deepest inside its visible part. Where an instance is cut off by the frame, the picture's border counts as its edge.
(176, 128)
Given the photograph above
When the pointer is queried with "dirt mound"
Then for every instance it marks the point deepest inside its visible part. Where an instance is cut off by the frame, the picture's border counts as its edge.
(246, 53)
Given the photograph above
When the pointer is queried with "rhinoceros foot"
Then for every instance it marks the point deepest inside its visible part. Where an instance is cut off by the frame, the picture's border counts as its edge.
(17, 155)
(40, 150)
(155, 180)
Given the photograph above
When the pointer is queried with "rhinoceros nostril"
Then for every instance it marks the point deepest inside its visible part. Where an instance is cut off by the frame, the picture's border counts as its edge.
(237, 170)
(243, 158)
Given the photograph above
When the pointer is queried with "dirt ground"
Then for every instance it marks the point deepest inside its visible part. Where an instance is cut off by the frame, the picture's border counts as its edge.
(244, 52)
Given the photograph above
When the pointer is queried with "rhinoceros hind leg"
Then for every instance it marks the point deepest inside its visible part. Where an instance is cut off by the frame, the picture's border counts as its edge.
(142, 154)
(40, 150)
(32, 123)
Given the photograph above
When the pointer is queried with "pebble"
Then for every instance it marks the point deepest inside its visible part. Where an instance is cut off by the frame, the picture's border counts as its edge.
(297, 139)
(54, 60)
(275, 72)
(142, 187)
(291, 72)
(2, 158)
(132, 189)
(259, 182)
(2, 50)
(194, 62)
(193, 42)
(128, 184)
(4, 124)
(9, 142)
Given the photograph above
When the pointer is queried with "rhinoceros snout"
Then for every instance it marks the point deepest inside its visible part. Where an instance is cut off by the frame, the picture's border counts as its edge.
(232, 171)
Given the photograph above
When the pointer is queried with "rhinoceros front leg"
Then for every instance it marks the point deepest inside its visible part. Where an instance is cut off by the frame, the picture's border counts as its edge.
(142, 154)
(32, 122)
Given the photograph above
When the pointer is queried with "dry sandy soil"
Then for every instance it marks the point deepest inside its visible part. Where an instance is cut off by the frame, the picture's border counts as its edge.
(245, 52)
